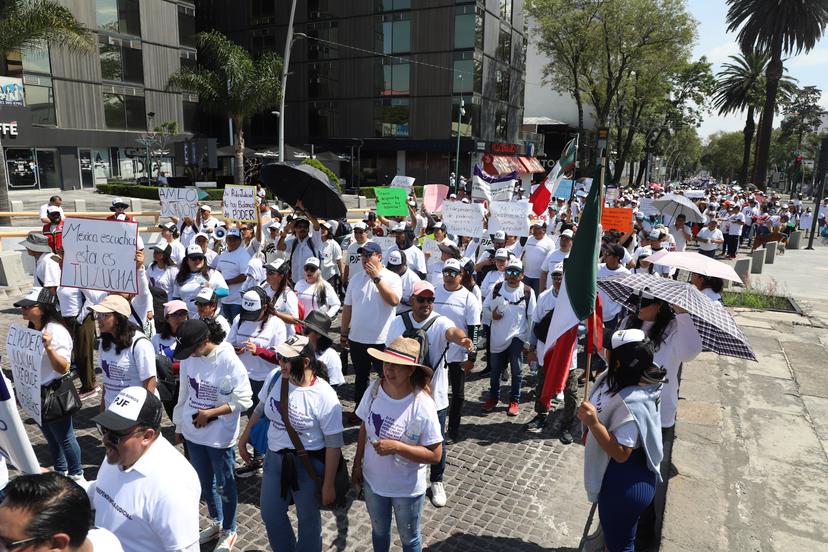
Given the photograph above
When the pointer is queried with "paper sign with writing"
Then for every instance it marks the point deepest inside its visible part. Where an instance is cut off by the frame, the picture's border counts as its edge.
(240, 203)
(805, 221)
(433, 197)
(391, 202)
(511, 217)
(645, 205)
(100, 254)
(495, 191)
(564, 189)
(14, 441)
(617, 218)
(24, 349)
(463, 219)
(179, 202)
(401, 181)
(611, 194)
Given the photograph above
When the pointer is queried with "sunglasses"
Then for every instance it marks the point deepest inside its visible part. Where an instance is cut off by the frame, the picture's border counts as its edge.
(451, 273)
(114, 437)
(513, 272)
(557, 276)
(428, 300)
(311, 269)
(359, 231)
(6, 545)
(196, 258)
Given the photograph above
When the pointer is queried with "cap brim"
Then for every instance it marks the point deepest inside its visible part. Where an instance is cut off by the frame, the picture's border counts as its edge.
(25, 303)
(115, 422)
(249, 316)
(385, 357)
(182, 353)
(316, 329)
(202, 301)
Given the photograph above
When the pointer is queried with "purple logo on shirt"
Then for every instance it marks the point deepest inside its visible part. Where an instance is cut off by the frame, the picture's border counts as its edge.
(276, 405)
(377, 420)
(194, 385)
(105, 367)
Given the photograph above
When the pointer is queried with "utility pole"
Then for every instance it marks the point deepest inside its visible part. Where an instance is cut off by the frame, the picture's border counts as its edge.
(285, 65)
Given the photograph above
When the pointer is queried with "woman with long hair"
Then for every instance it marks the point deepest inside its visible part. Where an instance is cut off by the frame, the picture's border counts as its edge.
(315, 293)
(317, 328)
(314, 412)
(163, 270)
(193, 275)
(39, 309)
(623, 444)
(283, 299)
(711, 286)
(399, 435)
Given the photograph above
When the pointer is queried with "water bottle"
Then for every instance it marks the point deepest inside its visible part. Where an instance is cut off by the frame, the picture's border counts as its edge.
(411, 436)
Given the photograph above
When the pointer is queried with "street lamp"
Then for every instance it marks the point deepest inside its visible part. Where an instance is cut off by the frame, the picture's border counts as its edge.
(285, 65)
(151, 118)
(460, 113)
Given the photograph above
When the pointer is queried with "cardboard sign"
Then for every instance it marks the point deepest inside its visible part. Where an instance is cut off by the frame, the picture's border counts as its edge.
(24, 348)
(511, 217)
(401, 181)
(463, 219)
(14, 441)
(100, 254)
(240, 203)
(392, 202)
(617, 218)
(179, 202)
(563, 189)
(433, 197)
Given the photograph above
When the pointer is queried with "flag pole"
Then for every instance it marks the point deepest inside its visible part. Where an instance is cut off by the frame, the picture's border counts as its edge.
(588, 371)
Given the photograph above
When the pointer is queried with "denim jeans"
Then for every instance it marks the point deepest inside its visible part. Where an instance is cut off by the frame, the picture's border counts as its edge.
(274, 508)
(63, 445)
(255, 386)
(407, 511)
(440, 467)
(457, 383)
(216, 473)
(364, 364)
(230, 312)
(498, 361)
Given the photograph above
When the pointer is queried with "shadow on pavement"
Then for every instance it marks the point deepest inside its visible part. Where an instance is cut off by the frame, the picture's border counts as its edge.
(462, 542)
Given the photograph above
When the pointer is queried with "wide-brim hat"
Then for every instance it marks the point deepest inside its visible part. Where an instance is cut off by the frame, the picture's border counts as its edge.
(319, 322)
(36, 241)
(403, 351)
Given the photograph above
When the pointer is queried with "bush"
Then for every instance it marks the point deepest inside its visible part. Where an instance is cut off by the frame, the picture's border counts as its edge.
(128, 189)
(368, 192)
(317, 164)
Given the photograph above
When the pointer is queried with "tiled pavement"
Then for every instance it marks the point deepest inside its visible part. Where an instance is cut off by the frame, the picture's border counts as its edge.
(508, 490)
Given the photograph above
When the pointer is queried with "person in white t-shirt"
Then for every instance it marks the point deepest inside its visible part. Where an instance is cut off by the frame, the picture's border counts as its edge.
(146, 493)
(207, 305)
(734, 231)
(330, 255)
(314, 292)
(317, 328)
(709, 238)
(50, 510)
(415, 259)
(202, 240)
(47, 271)
(169, 235)
(55, 202)
(399, 434)
(162, 271)
(554, 257)
(195, 274)
(232, 264)
(611, 267)
(681, 233)
(213, 394)
(398, 264)
(537, 247)
(283, 299)
(353, 265)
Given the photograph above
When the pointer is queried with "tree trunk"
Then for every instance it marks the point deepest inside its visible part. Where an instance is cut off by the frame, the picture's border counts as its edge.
(642, 166)
(756, 147)
(239, 152)
(773, 75)
(5, 205)
(750, 128)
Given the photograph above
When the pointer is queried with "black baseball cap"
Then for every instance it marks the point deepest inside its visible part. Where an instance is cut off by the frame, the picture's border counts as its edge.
(190, 335)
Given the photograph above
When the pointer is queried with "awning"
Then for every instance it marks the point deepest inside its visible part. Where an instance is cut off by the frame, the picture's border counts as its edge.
(531, 164)
(504, 164)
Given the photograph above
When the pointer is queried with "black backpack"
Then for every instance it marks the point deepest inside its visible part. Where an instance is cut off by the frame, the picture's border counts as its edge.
(541, 329)
(166, 380)
(421, 335)
(527, 291)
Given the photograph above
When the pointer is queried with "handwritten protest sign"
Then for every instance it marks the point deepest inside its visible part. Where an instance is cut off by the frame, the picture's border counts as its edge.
(430, 248)
(240, 203)
(617, 218)
(495, 191)
(401, 181)
(433, 197)
(511, 217)
(24, 348)
(100, 254)
(463, 219)
(805, 221)
(391, 202)
(178, 202)
(14, 442)
(611, 194)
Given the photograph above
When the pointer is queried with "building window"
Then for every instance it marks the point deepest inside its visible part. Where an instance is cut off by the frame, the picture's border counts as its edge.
(465, 18)
(36, 60)
(396, 77)
(262, 12)
(188, 59)
(391, 5)
(262, 40)
(471, 69)
(322, 82)
(504, 45)
(327, 33)
(123, 112)
(469, 123)
(119, 16)
(506, 10)
(502, 85)
(322, 119)
(502, 124)
(391, 118)
(190, 116)
(319, 9)
(395, 33)
(186, 26)
(121, 64)
(41, 102)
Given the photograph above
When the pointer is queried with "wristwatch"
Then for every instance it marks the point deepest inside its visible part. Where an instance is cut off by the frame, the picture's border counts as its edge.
(376, 279)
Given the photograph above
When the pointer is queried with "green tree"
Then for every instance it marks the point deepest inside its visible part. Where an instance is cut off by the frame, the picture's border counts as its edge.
(317, 164)
(777, 28)
(229, 82)
(721, 155)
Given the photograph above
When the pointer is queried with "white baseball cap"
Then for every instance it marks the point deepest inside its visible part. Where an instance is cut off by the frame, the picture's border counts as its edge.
(622, 337)
(502, 253)
(312, 261)
(133, 406)
(500, 235)
(452, 264)
(514, 262)
(394, 258)
(567, 233)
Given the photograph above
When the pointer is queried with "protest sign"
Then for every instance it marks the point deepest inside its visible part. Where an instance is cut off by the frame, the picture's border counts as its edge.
(463, 219)
(511, 217)
(240, 203)
(100, 254)
(385, 243)
(14, 442)
(823, 210)
(617, 218)
(493, 191)
(391, 202)
(433, 197)
(645, 205)
(611, 194)
(24, 348)
(563, 189)
(805, 221)
(401, 181)
(429, 247)
(179, 202)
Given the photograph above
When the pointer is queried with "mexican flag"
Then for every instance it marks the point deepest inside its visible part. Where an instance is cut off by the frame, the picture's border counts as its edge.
(578, 298)
(543, 193)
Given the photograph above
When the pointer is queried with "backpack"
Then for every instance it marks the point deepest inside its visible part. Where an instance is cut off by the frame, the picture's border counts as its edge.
(527, 291)
(159, 297)
(541, 329)
(421, 335)
(166, 379)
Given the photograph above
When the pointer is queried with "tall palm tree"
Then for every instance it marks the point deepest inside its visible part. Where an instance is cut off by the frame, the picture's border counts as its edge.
(776, 27)
(231, 83)
(27, 24)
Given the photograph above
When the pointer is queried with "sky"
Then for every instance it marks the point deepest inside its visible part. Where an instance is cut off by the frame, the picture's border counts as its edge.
(713, 41)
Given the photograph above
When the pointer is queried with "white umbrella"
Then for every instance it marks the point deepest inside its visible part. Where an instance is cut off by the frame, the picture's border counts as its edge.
(675, 205)
(695, 262)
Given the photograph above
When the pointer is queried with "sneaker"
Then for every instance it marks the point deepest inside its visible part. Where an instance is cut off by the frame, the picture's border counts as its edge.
(489, 405)
(249, 471)
(566, 437)
(536, 424)
(513, 409)
(78, 478)
(89, 393)
(226, 541)
(209, 533)
(438, 494)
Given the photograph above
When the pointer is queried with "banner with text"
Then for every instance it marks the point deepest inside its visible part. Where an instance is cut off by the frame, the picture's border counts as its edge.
(433, 197)
(401, 181)
(391, 202)
(463, 219)
(617, 218)
(510, 216)
(24, 349)
(14, 441)
(100, 254)
(240, 203)
(494, 191)
(179, 202)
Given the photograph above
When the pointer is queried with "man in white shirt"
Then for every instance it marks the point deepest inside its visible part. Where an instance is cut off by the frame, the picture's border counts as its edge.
(612, 311)
(301, 246)
(537, 247)
(54, 201)
(146, 493)
(46, 271)
(556, 256)
(205, 220)
(681, 233)
(734, 231)
(353, 265)
(330, 256)
(709, 238)
(405, 244)
(232, 264)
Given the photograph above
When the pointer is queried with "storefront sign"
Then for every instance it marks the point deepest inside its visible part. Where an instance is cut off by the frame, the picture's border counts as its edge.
(11, 91)
(8, 129)
(503, 149)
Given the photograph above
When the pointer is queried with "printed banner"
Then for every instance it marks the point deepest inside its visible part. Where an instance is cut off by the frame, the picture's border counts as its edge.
(391, 202)
(240, 203)
(433, 197)
(14, 442)
(401, 181)
(100, 254)
(463, 219)
(179, 202)
(24, 348)
(617, 218)
(510, 216)
(645, 205)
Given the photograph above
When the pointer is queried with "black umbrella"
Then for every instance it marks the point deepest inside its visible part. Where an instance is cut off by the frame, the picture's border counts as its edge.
(310, 185)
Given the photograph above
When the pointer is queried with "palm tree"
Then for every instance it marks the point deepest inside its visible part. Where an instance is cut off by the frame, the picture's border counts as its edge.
(228, 81)
(776, 27)
(27, 24)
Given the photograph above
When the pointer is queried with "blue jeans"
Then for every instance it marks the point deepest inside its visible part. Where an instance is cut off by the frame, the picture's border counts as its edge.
(438, 469)
(255, 386)
(63, 446)
(498, 361)
(274, 508)
(216, 473)
(711, 253)
(407, 510)
(230, 312)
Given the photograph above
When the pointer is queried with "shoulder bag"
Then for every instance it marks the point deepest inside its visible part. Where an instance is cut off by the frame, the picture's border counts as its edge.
(58, 399)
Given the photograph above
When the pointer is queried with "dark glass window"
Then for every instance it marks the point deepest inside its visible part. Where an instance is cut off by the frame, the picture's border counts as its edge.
(188, 60)
(504, 45)
(36, 60)
(391, 117)
(41, 102)
(262, 40)
(395, 32)
(122, 112)
(322, 81)
(327, 33)
(136, 113)
(322, 119)
(471, 69)
(122, 64)
(470, 121)
(186, 26)
(502, 85)
(396, 77)
(190, 116)
(464, 27)
(391, 5)
(119, 16)
(262, 12)
(501, 123)
(114, 113)
(506, 10)
(319, 9)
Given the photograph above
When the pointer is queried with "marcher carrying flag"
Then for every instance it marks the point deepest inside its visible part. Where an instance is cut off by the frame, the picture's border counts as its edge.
(543, 193)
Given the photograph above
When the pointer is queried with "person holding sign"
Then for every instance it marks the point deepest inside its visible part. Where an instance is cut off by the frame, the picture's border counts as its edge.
(232, 264)
(46, 271)
(39, 309)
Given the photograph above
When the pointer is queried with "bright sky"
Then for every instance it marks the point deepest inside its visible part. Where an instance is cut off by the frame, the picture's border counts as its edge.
(714, 42)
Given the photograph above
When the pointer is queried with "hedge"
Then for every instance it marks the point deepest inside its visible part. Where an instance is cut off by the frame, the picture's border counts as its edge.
(126, 189)
(317, 164)
(368, 192)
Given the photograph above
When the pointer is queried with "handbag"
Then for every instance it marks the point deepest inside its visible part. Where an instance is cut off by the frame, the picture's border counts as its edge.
(58, 399)
(342, 481)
